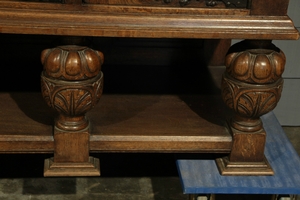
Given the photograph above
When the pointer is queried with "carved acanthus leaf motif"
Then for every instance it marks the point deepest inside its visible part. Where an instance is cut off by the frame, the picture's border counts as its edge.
(250, 100)
(72, 100)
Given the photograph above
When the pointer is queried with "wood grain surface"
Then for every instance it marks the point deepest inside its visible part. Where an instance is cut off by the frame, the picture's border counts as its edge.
(149, 22)
(121, 123)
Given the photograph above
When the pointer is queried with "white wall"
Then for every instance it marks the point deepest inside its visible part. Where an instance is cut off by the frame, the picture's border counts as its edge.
(288, 108)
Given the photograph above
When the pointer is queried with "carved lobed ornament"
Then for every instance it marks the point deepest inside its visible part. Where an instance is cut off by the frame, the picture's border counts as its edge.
(71, 62)
(256, 65)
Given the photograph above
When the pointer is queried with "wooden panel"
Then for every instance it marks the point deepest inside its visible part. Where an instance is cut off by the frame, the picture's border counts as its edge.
(269, 7)
(215, 51)
(71, 147)
(121, 123)
(162, 52)
(159, 123)
(248, 147)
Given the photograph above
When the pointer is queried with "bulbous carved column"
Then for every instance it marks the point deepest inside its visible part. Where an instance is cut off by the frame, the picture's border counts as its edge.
(72, 84)
(251, 87)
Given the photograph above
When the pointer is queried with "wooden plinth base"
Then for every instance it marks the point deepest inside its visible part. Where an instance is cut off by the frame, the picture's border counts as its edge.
(227, 168)
(91, 168)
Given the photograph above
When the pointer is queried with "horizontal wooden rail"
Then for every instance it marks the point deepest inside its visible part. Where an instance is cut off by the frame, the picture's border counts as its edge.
(126, 21)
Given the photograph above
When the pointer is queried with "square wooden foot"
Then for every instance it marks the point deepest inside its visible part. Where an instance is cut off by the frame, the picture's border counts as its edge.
(227, 168)
(90, 168)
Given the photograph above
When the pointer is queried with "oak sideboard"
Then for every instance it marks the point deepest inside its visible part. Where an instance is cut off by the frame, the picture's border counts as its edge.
(72, 83)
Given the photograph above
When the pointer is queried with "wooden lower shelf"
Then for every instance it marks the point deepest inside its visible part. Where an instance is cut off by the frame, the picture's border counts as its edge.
(121, 123)
(26, 124)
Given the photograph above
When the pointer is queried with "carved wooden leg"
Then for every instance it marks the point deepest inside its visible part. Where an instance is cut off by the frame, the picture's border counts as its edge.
(72, 84)
(251, 87)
